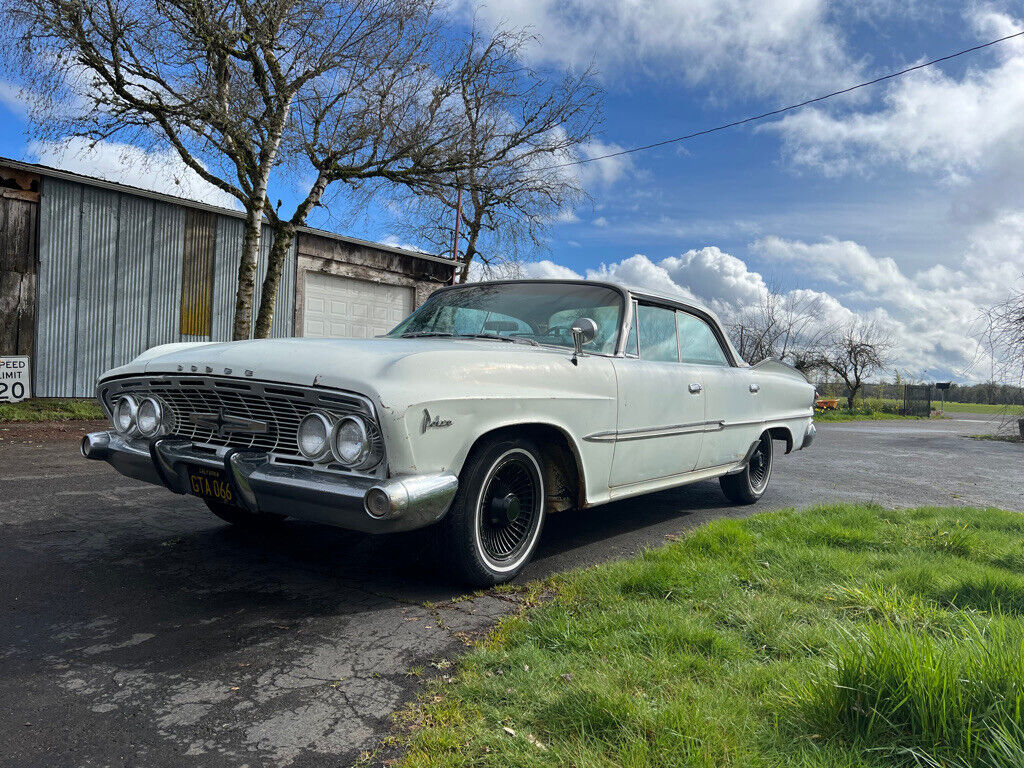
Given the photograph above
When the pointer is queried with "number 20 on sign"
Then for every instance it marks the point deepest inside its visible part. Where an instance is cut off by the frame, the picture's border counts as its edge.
(15, 379)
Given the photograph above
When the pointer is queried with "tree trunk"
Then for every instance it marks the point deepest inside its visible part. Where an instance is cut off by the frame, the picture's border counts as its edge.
(283, 238)
(850, 398)
(247, 271)
(473, 232)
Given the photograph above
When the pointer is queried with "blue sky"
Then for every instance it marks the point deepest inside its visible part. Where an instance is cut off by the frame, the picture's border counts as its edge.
(902, 204)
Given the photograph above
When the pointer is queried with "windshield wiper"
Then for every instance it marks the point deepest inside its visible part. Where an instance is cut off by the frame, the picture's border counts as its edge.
(498, 337)
(425, 334)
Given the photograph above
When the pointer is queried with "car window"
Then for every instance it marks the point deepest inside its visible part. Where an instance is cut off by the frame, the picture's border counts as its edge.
(657, 331)
(531, 311)
(607, 319)
(466, 320)
(697, 342)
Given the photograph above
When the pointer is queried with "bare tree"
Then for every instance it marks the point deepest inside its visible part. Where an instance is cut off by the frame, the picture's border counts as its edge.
(358, 88)
(520, 133)
(853, 353)
(782, 326)
(1004, 335)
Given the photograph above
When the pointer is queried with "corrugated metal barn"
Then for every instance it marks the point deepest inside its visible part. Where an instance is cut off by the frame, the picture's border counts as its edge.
(93, 273)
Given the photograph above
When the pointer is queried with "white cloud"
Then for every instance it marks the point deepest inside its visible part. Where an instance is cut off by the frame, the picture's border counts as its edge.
(929, 121)
(159, 170)
(765, 47)
(603, 172)
(933, 315)
(841, 262)
(600, 221)
(11, 98)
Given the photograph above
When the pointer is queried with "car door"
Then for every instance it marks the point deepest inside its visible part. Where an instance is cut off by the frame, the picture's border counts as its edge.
(661, 405)
(731, 393)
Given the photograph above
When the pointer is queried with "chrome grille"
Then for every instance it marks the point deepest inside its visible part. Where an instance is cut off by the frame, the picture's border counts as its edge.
(279, 406)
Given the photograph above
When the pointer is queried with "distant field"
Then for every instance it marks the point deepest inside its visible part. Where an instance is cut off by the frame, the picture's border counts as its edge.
(976, 408)
(888, 407)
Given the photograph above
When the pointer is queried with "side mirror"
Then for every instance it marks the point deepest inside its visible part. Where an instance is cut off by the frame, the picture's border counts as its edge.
(584, 331)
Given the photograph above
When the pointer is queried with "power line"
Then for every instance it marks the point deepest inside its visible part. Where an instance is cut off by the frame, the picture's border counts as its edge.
(791, 107)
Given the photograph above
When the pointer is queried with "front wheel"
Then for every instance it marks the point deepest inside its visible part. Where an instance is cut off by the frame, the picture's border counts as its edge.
(748, 486)
(494, 524)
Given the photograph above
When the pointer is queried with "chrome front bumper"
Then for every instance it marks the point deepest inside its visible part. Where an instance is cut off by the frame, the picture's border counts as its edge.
(399, 504)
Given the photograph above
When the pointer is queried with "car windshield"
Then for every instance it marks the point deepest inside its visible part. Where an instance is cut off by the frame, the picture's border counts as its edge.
(530, 313)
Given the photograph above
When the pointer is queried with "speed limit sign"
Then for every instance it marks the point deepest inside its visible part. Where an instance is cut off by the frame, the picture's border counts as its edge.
(15, 379)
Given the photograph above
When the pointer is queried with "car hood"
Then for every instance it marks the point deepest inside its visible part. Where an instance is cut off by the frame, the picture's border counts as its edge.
(360, 365)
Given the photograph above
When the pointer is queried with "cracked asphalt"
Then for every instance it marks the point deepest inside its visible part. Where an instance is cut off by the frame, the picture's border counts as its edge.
(138, 630)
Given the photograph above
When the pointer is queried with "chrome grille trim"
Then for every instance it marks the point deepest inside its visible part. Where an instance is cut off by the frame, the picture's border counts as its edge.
(280, 406)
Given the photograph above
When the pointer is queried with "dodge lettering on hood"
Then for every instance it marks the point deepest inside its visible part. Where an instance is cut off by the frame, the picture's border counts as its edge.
(491, 406)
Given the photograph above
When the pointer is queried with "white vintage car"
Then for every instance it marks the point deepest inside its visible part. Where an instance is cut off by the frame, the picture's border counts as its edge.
(489, 407)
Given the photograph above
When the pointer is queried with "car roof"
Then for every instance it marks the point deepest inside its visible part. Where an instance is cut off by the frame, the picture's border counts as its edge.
(658, 297)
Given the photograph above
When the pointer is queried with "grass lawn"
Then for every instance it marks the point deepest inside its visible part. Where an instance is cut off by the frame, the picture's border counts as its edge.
(977, 408)
(837, 636)
(50, 409)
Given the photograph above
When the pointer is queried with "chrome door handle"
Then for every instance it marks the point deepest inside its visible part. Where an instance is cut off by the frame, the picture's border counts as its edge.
(755, 388)
(695, 389)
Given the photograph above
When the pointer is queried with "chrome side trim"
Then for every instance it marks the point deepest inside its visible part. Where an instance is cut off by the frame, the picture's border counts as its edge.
(644, 433)
(784, 417)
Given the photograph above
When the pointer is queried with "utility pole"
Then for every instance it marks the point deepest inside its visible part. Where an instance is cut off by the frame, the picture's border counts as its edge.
(455, 243)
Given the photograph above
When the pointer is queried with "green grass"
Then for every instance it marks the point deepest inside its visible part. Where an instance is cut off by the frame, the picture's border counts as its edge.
(1000, 438)
(50, 409)
(978, 408)
(858, 415)
(839, 636)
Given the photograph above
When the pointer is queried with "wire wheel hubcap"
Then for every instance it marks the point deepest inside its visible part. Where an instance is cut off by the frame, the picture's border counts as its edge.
(509, 508)
(760, 467)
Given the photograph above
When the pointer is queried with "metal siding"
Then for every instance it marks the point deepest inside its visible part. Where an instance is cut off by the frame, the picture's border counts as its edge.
(97, 286)
(134, 269)
(111, 268)
(59, 226)
(197, 274)
(166, 247)
(228, 253)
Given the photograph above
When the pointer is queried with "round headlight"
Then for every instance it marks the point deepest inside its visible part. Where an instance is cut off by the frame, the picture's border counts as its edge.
(314, 435)
(350, 441)
(125, 412)
(150, 417)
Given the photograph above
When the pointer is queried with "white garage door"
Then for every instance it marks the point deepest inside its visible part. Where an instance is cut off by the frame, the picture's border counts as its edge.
(344, 307)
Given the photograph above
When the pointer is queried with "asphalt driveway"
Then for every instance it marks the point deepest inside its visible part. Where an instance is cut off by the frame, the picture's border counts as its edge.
(136, 629)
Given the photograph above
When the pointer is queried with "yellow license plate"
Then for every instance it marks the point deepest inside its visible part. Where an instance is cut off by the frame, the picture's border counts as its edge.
(212, 484)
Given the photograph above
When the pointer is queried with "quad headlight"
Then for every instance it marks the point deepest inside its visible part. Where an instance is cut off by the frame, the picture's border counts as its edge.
(149, 418)
(350, 442)
(314, 435)
(347, 441)
(125, 413)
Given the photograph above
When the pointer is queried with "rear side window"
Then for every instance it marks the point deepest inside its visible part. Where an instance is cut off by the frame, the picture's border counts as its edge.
(697, 342)
(657, 331)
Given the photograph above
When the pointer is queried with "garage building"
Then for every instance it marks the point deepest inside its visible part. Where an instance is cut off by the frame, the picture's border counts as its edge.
(92, 273)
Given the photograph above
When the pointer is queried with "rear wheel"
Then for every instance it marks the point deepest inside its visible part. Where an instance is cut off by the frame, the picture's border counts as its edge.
(494, 524)
(243, 518)
(748, 486)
